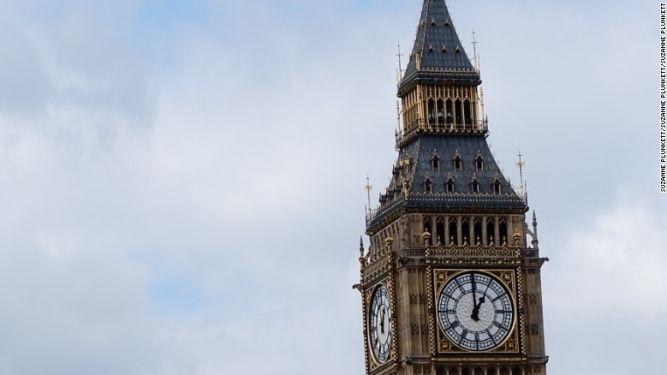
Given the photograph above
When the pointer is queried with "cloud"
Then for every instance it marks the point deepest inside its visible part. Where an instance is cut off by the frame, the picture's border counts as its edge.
(603, 291)
(184, 195)
(616, 262)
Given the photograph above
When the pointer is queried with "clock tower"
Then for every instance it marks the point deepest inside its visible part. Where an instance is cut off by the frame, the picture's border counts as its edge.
(450, 282)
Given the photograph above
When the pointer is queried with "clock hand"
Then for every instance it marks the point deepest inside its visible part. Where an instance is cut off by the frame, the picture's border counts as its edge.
(474, 286)
(382, 322)
(475, 310)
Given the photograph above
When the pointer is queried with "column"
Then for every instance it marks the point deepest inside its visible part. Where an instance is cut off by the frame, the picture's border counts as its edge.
(446, 230)
(459, 231)
(485, 241)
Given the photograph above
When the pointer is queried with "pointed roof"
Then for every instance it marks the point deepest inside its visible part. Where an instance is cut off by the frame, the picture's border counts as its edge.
(438, 55)
(409, 191)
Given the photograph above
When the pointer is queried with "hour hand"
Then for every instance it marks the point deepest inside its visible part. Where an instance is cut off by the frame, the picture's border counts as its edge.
(475, 310)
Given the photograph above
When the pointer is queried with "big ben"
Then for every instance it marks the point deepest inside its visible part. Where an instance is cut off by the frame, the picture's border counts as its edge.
(450, 281)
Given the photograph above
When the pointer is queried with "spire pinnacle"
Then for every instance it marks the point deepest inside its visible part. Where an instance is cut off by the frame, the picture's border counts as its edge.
(536, 241)
(438, 54)
(474, 48)
(524, 187)
(400, 62)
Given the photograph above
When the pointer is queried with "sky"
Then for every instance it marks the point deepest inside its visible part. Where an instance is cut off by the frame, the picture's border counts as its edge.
(181, 182)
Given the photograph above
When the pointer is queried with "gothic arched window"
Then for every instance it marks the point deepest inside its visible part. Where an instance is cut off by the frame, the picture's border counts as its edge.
(490, 232)
(465, 230)
(440, 231)
(428, 185)
(503, 232)
(453, 233)
(450, 112)
(435, 162)
(458, 163)
(441, 112)
(479, 163)
(497, 187)
(449, 186)
(431, 111)
(459, 112)
(474, 186)
(467, 113)
(478, 232)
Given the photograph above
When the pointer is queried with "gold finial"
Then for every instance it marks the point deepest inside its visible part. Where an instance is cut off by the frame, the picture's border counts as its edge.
(361, 246)
(368, 189)
(400, 62)
(389, 242)
(524, 188)
(427, 237)
(398, 117)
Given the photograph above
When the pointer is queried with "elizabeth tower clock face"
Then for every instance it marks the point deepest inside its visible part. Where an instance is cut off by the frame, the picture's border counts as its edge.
(380, 325)
(475, 311)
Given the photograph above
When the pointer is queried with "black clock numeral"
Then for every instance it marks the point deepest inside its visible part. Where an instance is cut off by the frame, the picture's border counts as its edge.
(500, 326)
(491, 337)
(460, 285)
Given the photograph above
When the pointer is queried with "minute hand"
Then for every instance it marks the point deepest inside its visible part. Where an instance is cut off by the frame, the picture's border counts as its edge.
(475, 310)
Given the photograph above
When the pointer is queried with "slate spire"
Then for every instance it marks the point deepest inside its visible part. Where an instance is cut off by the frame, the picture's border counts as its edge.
(438, 56)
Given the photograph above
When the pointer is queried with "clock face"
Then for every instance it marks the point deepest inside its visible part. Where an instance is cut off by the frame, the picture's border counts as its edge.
(380, 325)
(475, 311)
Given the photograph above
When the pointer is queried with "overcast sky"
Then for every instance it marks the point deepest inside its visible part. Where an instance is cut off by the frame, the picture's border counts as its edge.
(181, 181)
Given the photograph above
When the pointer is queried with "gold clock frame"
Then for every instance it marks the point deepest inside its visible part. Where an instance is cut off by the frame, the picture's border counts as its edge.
(370, 292)
(511, 344)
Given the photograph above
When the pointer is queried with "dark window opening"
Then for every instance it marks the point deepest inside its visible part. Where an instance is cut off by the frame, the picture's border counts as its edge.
(503, 233)
(458, 165)
(453, 234)
(450, 110)
(431, 111)
(490, 233)
(440, 232)
(478, 233)
(449, 186)
(435, 162)
(475, 186)
(516, 371)
(428, 185)
(459, 112)
(497, 187)
(479, 163)
(465, 229)
(441, 112)
(468, 113)
(466, 371)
